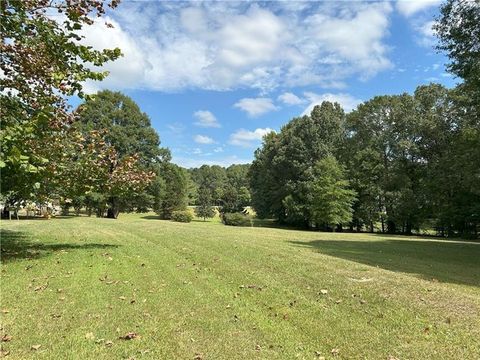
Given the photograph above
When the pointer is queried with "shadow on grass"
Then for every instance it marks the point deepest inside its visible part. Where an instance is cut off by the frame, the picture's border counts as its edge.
(151, 217)
(446, 261)
(18, 245)
(40, 218)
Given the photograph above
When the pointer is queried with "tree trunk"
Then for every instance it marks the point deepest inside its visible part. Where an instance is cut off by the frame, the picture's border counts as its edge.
(408, 228)
(371, 226)
(113, 210)
(391, 227)
(112, 213)
(6, 213)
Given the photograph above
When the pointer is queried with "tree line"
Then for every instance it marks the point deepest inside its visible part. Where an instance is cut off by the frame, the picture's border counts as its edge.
(398, 162)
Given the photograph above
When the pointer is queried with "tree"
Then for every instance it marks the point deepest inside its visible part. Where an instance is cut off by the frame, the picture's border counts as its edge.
(42, 62)
(458, 29)
(129, 131)
(204, 208)
(331, 199)
(214, 177)
(282, 169)
(174, 195)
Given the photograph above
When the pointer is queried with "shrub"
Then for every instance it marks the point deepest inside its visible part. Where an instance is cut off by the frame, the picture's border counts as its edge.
(182, 216)
(236, 219)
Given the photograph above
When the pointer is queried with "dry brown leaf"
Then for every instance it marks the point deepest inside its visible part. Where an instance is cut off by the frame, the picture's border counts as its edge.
(108, 343)
(129, 336)
(6, 338)
(198, 356)
(323, 292)
(122, 297)
(335, 352)
(35, 347)
(4, 353)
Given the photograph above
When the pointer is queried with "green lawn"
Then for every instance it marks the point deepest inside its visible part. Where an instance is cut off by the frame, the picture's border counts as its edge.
(74, 286)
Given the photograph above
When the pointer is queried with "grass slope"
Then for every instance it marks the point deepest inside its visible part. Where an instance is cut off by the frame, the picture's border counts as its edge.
(207, 291)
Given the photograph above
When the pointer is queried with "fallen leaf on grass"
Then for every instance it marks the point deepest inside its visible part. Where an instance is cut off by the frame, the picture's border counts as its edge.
(335, 352)
(122, 297)
(323, 292)
(198, 356)
(41, 287)
(5, 311)
(108, 343)
(6, 338)
(35, 347)
(4, 353)
(129, 336)
(338, 301)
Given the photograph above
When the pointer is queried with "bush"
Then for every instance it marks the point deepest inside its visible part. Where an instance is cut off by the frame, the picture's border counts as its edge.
(184, 216)
(236, 219)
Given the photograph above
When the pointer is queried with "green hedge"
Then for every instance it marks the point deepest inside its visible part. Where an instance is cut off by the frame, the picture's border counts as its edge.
(237, 219)
(184, 216)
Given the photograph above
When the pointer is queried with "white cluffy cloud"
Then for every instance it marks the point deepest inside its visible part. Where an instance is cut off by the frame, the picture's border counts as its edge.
(246, 138)
(411, 7)
(425, 34)
(206, 119)
(347, 101)
(289, 98)
(202, 139)
(172, 46)
(256, 106)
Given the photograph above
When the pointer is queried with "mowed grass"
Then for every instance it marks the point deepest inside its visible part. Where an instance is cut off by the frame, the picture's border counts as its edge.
(207, 291)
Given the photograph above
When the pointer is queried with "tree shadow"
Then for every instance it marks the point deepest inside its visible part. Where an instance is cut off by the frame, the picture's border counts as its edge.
(445, 261)
(18, 245)
(151, 217)
(39, 218)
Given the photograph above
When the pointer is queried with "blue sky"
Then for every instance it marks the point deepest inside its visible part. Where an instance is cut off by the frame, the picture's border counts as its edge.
(214, 77)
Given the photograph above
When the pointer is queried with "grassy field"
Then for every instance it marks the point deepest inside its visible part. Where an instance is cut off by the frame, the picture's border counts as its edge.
(72, 288)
